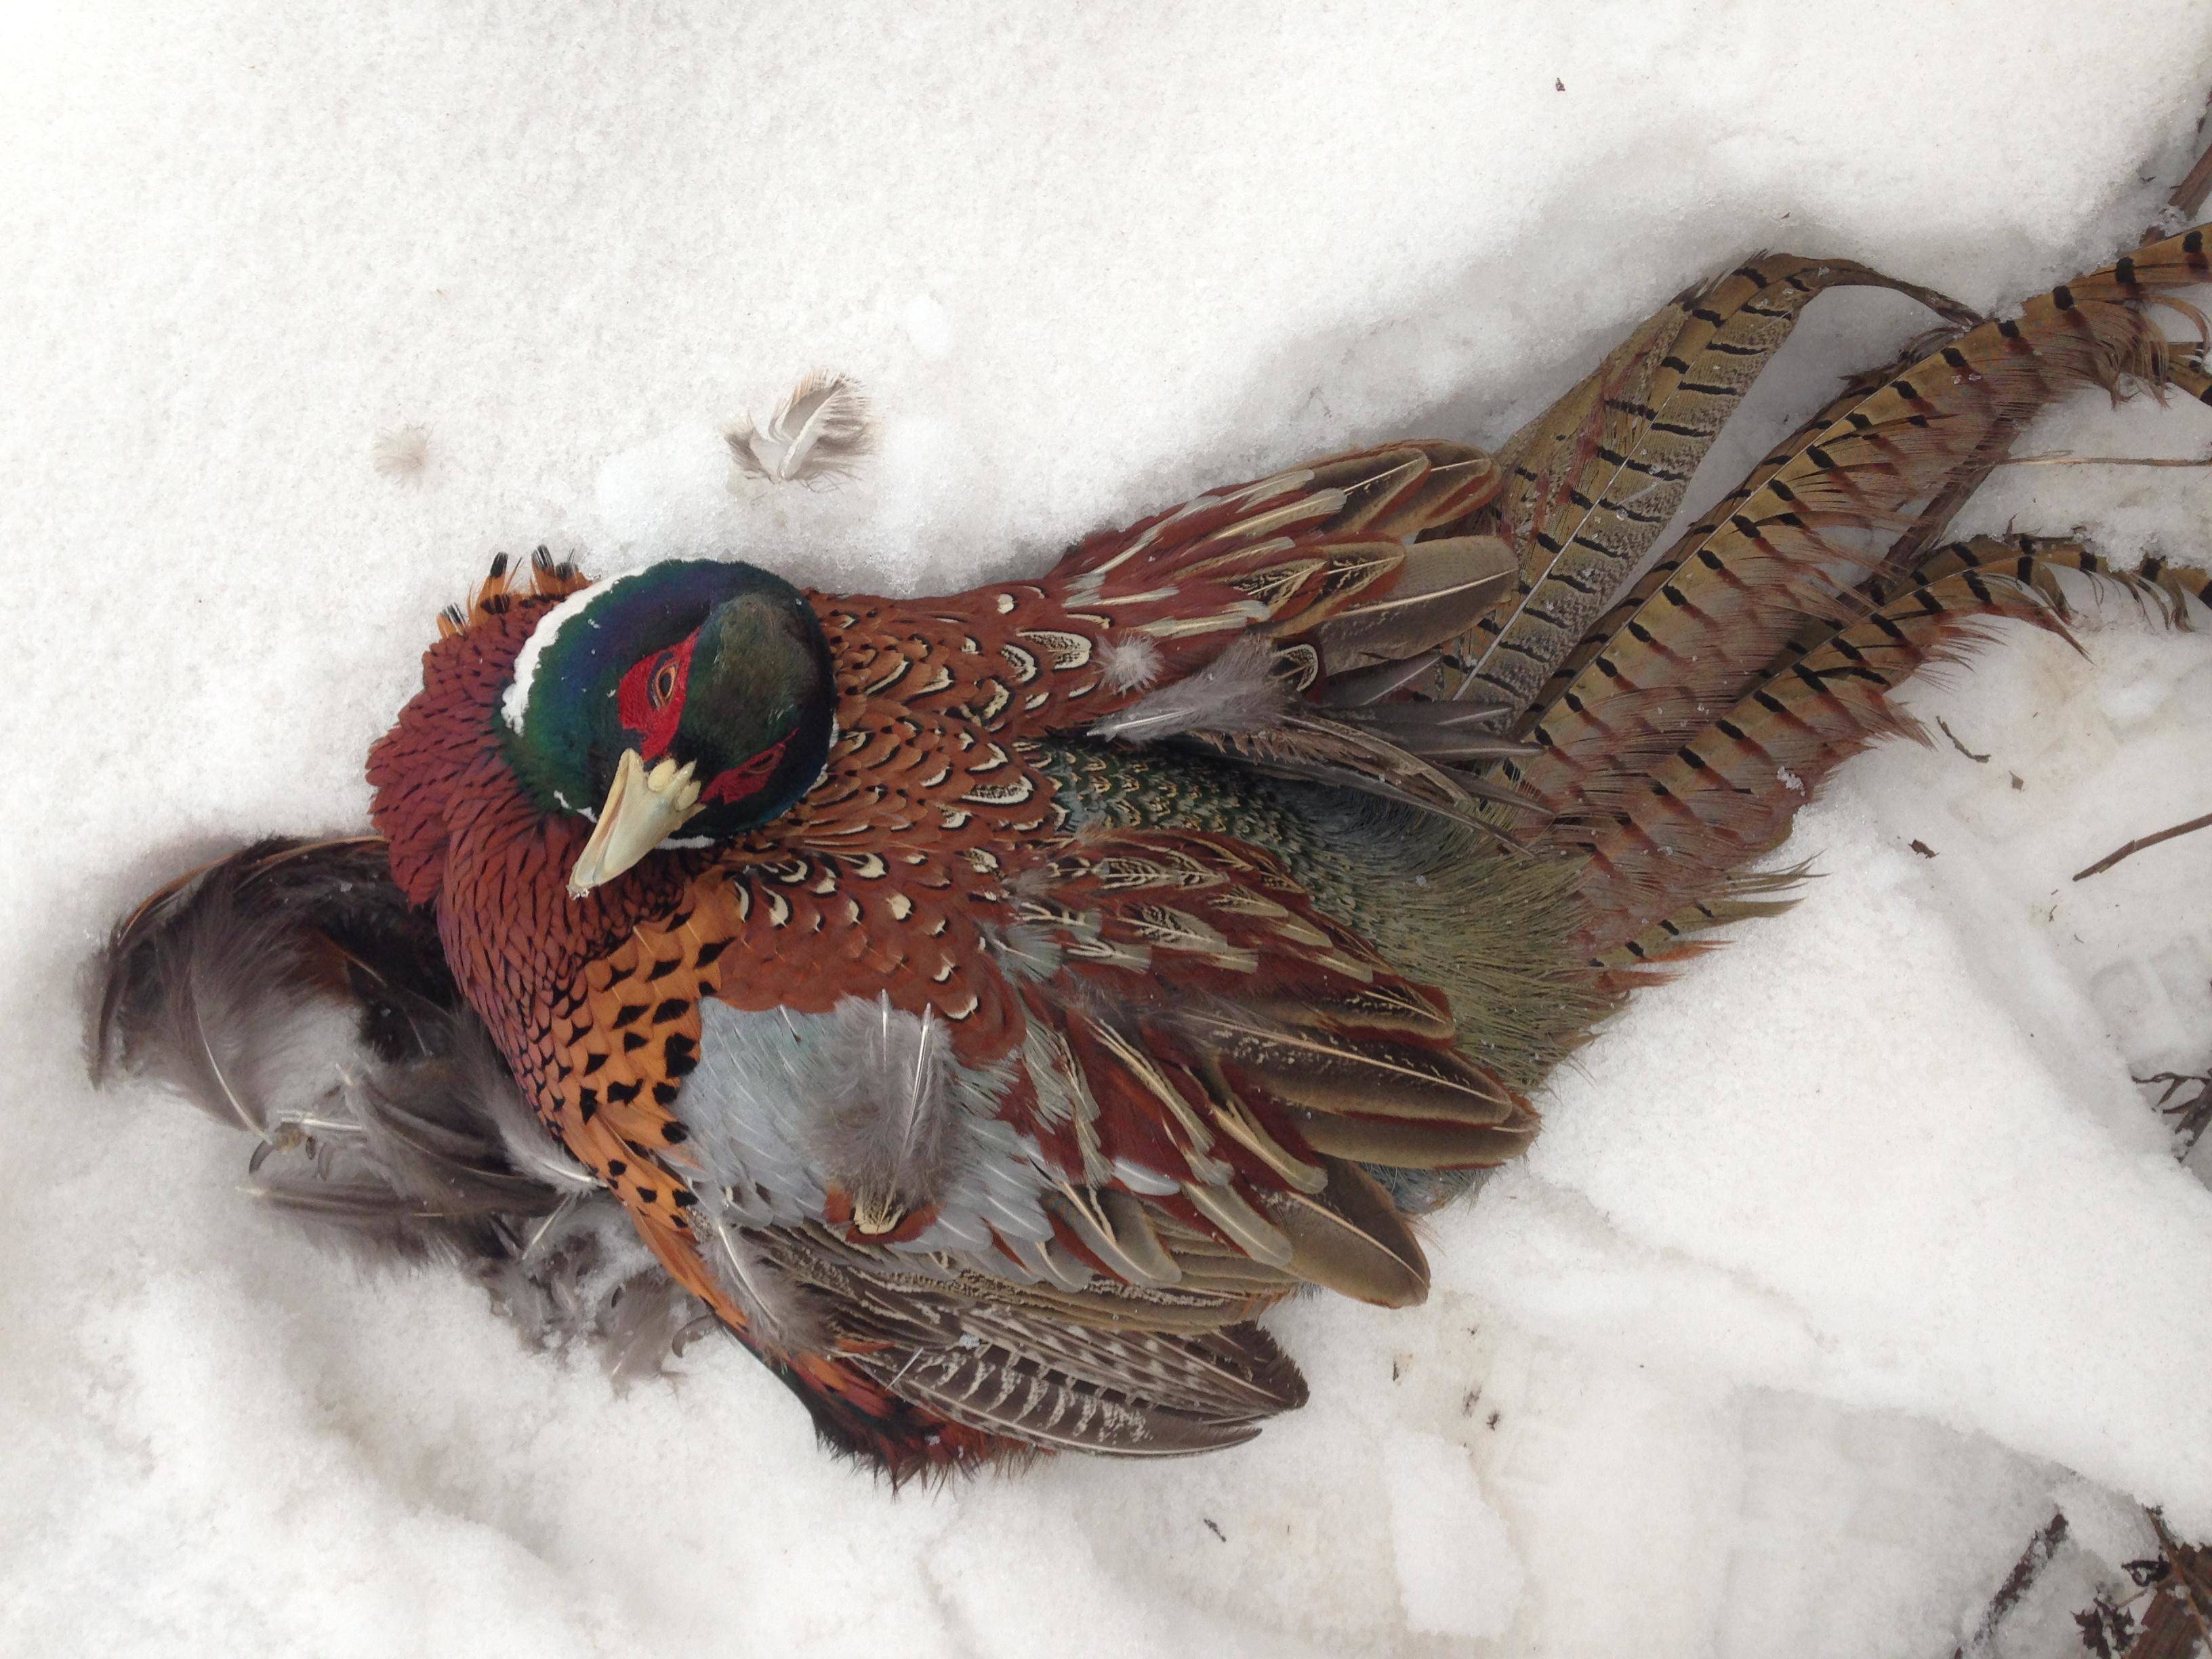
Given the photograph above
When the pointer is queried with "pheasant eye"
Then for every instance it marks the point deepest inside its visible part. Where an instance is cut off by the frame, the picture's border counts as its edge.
(649, 698)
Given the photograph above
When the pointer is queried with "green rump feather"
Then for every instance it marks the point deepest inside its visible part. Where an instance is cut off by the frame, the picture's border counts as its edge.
(1489, 925)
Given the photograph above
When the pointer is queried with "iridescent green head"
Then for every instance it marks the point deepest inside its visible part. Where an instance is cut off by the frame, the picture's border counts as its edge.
(692, 700)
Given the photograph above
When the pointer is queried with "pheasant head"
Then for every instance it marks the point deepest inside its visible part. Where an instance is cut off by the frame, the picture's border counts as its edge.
(693, 701)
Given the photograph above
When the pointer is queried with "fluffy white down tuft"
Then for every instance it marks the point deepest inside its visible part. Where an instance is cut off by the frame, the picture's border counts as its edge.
(1238, 691)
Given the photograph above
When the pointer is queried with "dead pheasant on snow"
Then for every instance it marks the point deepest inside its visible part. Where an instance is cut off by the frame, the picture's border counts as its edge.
(986, 1006)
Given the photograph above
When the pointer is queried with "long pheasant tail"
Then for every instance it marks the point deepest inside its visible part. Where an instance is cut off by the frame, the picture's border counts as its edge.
(1774, 610)
(1707, 619)
(1590, 484)
(1634, 677)
(1668, 866)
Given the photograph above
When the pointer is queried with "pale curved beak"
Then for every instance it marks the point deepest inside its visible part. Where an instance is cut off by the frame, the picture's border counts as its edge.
(642, 809)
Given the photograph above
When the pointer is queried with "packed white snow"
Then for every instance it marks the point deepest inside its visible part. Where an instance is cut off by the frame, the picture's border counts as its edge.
(1843, 1263)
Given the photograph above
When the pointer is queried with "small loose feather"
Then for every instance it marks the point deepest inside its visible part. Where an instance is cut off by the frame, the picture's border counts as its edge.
(822, 428)
(1240, 690)
(401, 454)
(1131, 663)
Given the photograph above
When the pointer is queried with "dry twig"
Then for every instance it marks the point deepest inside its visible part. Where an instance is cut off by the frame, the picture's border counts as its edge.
(2192, 1117)
(2139, 842)
(2025, 1572)
(2188, 195)
(2196, 184)
(1955, 743)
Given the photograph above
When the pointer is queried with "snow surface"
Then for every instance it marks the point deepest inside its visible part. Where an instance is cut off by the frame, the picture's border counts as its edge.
(1844, 1261)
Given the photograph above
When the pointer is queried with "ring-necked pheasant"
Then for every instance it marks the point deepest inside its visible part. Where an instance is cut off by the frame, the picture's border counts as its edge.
(987, 1004)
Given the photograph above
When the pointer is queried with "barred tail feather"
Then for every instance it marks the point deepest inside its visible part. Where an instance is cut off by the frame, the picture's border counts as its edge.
(1667, 848)
(1589, 484)
(1707, 623)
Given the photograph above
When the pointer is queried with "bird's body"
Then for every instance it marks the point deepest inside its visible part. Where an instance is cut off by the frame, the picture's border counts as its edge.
(1085, 987)
(987, 1004)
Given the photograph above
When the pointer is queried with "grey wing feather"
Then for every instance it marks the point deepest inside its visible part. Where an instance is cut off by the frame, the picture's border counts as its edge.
(291, 990)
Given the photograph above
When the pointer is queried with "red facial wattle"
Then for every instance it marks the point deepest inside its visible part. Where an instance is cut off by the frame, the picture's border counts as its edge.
(649, 701)
(745, 778)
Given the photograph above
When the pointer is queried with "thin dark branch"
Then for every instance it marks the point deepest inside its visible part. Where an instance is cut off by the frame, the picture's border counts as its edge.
(2192, 1117)
(2188, 195)
(2025, 1572)
(1955, 743)
(2140, 843)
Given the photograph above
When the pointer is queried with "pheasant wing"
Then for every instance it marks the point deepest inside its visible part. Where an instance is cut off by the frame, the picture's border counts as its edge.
(1126, 1088)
